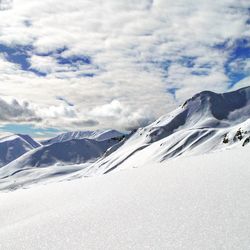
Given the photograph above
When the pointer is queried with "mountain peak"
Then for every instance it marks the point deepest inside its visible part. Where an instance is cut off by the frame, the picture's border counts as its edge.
(220, 105)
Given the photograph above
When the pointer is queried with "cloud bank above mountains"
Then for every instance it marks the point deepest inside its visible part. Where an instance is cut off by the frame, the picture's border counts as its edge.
(99, 64)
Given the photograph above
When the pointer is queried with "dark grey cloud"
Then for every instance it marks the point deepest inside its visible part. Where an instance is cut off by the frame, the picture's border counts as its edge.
(14, 111)
(86, 123)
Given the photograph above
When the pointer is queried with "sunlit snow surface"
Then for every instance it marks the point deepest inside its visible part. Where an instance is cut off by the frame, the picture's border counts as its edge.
(198, 202)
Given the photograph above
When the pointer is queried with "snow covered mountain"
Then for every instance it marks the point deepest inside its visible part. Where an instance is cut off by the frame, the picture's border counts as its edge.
(198, 126)
(11, 147)
(98, 135)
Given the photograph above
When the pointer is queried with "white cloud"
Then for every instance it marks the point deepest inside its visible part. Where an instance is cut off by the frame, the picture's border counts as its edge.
(44, 64)
(5, 4)
(240, 66)
(7, 67)
(122, 115)
(130, 44)
(242, 83)
(4, 134)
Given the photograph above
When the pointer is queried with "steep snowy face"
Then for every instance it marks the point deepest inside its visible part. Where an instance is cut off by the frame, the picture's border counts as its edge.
(204, 110)
(14, 146)
(202, 115)
(98, 135)
(220, 106)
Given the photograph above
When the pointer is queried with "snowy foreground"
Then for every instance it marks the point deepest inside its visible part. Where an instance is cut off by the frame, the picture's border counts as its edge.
(197, 202)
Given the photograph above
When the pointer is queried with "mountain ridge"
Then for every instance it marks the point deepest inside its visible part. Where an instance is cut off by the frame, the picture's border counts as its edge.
(98, 135)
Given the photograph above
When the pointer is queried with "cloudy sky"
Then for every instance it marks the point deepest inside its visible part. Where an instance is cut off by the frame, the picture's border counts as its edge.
(90, 64)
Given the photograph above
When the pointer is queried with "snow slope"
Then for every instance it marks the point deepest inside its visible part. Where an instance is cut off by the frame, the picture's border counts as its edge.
(98, 135)
(197, 202)
(11, 147)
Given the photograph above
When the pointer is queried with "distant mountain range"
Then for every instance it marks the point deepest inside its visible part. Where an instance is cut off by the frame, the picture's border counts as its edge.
(98, 135)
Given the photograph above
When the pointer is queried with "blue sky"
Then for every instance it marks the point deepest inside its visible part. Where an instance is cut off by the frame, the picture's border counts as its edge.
(29, 129)
(120, 64)
(240, 53)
